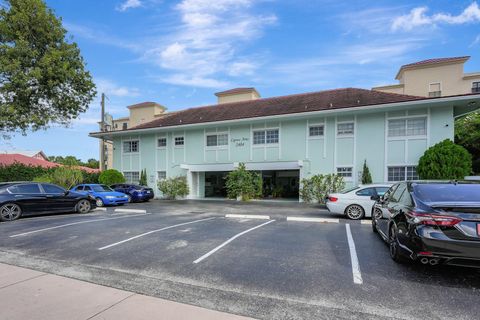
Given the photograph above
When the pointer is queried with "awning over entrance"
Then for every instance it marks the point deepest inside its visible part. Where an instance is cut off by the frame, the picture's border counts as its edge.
(256, 166)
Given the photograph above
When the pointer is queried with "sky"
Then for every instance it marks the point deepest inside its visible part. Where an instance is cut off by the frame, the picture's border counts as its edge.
(179, 53)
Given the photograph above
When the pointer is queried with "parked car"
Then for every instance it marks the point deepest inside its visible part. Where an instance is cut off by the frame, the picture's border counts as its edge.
(18, 199)
(136, 192)
(431, 222)
(103, 194)
(355, 202)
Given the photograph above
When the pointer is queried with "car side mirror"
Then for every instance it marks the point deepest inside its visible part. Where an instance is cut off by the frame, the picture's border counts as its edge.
(375, 198)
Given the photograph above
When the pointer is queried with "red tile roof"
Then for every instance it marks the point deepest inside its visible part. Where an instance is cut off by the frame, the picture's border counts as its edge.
(235, 91)
(9, 159)
(291, 104)
(435, 61)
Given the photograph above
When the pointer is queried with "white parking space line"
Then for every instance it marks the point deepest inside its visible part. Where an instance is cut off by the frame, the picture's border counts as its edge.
(230, 240)
(247, 216)
(306, 219)
(131, 210)
(153, 231)
(366, 222)
(72, 224)
(357, 275)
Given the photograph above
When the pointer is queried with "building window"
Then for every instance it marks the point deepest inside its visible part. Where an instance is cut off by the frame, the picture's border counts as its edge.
(345, 172)
(476, 87)
(161, 175)
(132, 177)
(269, 136)
(130, 146)
(407, 127)
(316, 131)
(179, 141)
(345, 129)
(434, 90)
(214, 140)
(124, 126)
(402, 173)
(162, 142)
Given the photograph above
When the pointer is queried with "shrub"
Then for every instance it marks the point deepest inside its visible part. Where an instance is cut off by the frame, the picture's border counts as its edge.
(174, 187)
(21, 172)
(317, 187)
(111, 176)
(143, 178)
(90, 177)
(64, 176)
(243, 184)
(445, 160)
(366, 176)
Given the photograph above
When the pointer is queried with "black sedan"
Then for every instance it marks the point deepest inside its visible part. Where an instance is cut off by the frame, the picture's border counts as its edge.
(19, 199)
(431, 222)
(135, 192)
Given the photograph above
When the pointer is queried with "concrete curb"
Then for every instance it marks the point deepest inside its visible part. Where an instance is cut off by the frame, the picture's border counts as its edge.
(100, 209)
(247, 216)
(321, 220)
(131, 210)
(366, 221)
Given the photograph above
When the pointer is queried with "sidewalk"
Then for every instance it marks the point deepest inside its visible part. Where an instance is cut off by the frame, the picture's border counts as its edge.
(29, 294)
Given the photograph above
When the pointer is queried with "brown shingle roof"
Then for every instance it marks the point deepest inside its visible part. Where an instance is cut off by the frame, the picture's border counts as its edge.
(436, 60)
(296, 103)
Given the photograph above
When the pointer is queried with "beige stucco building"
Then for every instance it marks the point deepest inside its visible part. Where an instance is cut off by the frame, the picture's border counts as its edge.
(138, 113)
(434, 78)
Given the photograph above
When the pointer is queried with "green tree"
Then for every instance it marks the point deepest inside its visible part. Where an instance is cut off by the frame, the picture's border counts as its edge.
(93, 163)
(174, 187)
(445, 160)
(42, 76)
(64, 176)
(143, 178)
(467, 134)
(243, 184)
(111, 176)
(366, 176)
(317, 187)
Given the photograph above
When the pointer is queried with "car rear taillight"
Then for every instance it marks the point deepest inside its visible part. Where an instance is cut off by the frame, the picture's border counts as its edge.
(332, 199)
(434, 219)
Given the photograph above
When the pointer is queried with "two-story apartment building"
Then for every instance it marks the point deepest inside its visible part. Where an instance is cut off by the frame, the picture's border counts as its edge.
(434, 78)
(290, 137)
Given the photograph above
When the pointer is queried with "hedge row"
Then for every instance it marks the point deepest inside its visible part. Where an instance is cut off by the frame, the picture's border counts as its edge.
(20, 172)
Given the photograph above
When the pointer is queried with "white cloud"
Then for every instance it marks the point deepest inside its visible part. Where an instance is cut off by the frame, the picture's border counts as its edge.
(206, 45)
(418, 17)
(475, 41)
(129, 4)
(112, 89)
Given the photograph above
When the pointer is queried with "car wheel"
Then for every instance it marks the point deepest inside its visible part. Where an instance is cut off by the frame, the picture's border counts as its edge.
(83, 206)
(99, 202)
(354, 212)
(10, 212)
(376, 214)
(394, 247)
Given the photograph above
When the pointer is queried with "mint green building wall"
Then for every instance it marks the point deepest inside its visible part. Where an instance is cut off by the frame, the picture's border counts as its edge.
(316, 154)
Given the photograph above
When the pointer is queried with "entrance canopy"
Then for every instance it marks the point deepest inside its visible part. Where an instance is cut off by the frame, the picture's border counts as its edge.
(254, 166)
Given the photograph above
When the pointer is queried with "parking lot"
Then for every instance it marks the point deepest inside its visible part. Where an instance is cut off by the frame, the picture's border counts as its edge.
(263, 267)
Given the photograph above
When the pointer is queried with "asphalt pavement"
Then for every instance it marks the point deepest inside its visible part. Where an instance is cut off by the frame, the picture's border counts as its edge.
(272, 268)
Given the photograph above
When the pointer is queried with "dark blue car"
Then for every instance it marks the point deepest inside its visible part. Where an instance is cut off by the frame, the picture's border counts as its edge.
(137, 193)
(103, 194)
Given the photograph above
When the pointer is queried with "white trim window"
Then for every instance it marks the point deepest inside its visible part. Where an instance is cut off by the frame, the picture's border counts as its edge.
(266, 136)
(132, 177)
(345, 129)
(435, 90)
(131, 146)
(345, 172)
(316, 131)
(179, 141)
(216, 140)
(407, 127)
(476, 87)
(161, 175)
(161, 142)
(402, 173)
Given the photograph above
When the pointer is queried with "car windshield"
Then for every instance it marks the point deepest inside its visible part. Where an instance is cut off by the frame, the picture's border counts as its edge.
(137, 187)
(102, 188)
(448, 192)
(350, 189)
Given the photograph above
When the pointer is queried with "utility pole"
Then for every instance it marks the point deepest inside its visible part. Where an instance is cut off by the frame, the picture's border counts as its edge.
(102, 129)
